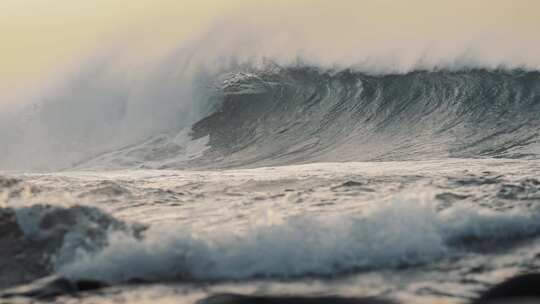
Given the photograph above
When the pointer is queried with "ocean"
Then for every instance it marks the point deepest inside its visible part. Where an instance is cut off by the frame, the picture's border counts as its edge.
(420, 187)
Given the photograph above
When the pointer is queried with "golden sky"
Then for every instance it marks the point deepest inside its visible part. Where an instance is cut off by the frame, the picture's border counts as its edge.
(37, 36)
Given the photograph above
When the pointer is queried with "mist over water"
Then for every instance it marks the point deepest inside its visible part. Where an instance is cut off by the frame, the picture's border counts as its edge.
(121, 96)
(101, 107)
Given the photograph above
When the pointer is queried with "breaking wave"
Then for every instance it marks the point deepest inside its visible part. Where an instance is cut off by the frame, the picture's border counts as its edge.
(402, 232)
(277, 116)
(303, 115)
(248, 115)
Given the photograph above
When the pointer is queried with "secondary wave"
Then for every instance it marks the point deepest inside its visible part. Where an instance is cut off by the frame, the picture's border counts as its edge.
(402, 232)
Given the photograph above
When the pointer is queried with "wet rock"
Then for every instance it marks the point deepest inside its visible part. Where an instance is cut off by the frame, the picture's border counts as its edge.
(245, 299)
(89, 285)
(52, 287)
(519, 289)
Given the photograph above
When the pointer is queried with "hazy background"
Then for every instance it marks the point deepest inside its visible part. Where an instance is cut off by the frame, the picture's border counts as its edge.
(81, 77)
(38, 36)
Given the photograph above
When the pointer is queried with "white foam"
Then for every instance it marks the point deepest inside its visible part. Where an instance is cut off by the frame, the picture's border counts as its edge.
(404, 231)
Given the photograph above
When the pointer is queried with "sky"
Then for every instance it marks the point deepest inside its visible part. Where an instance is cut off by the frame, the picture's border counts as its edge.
(38, 37)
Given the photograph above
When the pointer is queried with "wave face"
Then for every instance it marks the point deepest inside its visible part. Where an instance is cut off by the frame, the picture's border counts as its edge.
(259, 114)
(297, 115)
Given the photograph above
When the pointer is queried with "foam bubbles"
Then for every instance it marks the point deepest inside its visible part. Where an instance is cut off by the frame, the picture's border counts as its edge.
(401, 232)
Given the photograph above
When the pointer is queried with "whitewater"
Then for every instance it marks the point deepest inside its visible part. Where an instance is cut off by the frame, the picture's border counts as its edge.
(273, 179)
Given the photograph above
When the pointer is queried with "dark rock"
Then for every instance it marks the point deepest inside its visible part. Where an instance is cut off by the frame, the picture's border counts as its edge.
(519, 289)
(89, 285)
(46, 288)
(245, 299)
(51, 287)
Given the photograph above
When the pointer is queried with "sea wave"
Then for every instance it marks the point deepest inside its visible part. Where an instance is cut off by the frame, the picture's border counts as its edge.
(249, 115)
(284, 115)
(402, 232)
